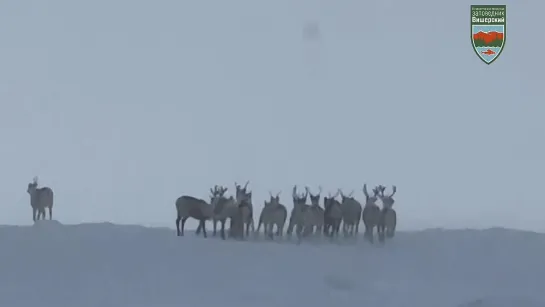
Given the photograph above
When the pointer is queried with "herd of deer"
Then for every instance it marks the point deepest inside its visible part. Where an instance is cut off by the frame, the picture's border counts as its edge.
(305, 219)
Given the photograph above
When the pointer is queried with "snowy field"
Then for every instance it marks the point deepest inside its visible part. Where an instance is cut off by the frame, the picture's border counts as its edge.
(52, 265)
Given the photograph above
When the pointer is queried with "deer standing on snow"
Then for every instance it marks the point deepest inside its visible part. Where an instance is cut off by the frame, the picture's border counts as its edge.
(371, 213)
(40, 199)
(388, 220)
(273, 213)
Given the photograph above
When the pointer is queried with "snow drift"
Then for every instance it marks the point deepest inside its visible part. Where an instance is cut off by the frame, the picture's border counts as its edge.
(50, 264)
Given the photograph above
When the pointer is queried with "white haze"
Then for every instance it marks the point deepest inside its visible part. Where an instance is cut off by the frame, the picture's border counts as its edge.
(122, 106)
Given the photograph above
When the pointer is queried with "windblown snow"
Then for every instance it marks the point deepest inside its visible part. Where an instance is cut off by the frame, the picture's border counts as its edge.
(51, 265)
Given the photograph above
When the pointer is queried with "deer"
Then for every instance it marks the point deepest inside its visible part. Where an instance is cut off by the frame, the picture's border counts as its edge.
(316, 211)
(351, 209)
(388, 220)
(371, 213)
(273, 213)
(222, 208)
(298, 215)
(40, 199)
(245, 197)
(189, 206)
(333, 215)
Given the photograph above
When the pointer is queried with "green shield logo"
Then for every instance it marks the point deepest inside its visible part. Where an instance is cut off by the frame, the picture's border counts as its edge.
(488, 24)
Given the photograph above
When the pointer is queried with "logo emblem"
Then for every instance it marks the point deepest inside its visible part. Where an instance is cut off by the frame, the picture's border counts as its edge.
(488, 24)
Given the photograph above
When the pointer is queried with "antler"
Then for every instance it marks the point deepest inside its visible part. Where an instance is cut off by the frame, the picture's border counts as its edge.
(394, 190)
(246, 185)
(35, 180)
(339, 191)
(214, 191)
(294, 191)
(365, 190)
(381, 189)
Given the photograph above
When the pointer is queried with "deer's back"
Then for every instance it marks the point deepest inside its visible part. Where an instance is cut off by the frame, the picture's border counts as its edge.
(195, 207)
(45, 197)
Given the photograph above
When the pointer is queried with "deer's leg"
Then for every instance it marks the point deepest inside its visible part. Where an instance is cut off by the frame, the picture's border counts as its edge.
(222, 229)
(249, 223)
(289, 231)
(34, 214)
(178, 225)
(184, 219)
(203, 225)
(198, 231)
(50, 213)
(214, 221)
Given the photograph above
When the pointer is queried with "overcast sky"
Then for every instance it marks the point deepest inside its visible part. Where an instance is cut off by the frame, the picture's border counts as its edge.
(121, 106)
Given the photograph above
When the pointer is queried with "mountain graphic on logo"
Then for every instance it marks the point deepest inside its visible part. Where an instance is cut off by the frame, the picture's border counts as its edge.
(488, 39)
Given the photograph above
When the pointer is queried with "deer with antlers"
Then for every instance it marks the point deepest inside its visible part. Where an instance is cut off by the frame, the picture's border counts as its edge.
(351, 209)
(244, 199)
(223, 208)
(371, 213)
(388, 219)
(333, 215)
(298, 213)
(40, 199)
(273, 213)
(230, 208)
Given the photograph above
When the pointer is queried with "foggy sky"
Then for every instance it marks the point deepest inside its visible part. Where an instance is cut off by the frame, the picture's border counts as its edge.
(122, 106)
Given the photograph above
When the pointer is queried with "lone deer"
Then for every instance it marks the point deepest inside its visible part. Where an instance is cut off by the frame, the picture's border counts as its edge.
(40, 199)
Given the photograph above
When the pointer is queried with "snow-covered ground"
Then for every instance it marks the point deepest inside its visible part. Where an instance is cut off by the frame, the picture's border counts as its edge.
(50, 264)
